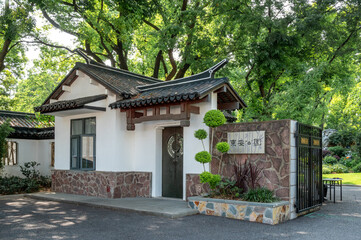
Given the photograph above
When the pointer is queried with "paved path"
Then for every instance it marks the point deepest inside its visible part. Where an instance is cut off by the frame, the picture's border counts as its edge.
(172, 208)
(25, 218)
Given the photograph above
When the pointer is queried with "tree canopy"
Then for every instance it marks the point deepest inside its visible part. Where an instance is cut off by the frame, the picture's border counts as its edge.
(288, 59)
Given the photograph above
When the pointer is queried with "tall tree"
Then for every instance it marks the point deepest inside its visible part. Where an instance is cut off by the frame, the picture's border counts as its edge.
(15, 24)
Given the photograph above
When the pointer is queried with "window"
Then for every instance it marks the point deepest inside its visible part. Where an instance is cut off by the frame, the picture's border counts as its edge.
(11, 155)
(82, 144)
(52, 154)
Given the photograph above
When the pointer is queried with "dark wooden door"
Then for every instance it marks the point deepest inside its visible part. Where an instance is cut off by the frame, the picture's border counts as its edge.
(172, 162)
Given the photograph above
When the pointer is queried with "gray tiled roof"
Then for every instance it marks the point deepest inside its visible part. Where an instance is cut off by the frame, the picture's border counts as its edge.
(120, 81)
(172, 91)
(27, 126)
(69, 104)
(20, 119)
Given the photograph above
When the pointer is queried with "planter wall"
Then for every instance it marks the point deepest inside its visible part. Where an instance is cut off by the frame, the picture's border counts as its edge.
(268, 213)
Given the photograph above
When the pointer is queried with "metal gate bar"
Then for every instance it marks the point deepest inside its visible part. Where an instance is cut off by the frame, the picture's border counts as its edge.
(309, 167)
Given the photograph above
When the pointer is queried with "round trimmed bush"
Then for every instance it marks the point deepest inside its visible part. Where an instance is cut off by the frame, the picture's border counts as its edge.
(200, 134)
(203, 157)
(223, 147)
(212, 179)
(214, 118)
(326, 169)
(357, 168)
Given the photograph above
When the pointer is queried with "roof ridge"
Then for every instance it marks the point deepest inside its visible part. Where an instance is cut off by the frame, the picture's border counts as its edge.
(118, 70)
(17, 114)
(172, 83)
(209, 74)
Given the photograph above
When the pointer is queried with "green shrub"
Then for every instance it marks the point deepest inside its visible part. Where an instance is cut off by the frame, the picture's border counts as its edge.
(326, 169)
(347, 161)
(330, 160)
(200, 134)
(212, 179)
(228, 188)
(203, 157)
(339, 168)
(260, 195)
(11, 185)
(338, 150)
(223, 147)
(30, 171)
(357, 168)
(344, 138)
(214, 118)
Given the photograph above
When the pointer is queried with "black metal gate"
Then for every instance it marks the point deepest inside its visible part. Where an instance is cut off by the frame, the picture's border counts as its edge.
(309, 167)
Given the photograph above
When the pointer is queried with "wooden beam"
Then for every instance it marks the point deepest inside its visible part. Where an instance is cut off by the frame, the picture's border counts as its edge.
(130, 120)
(182, 116)
(228, 106)
(222, 89)
(185, 123)
(194, 109)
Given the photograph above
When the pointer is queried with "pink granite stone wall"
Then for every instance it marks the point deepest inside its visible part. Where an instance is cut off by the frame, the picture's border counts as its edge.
(194, 187)
(275, 163)
(102, 184)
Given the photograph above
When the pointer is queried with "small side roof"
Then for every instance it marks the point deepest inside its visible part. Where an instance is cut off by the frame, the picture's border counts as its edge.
(27, 126)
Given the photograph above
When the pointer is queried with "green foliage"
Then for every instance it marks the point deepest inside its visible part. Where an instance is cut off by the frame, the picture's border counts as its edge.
(227, 188)
(326, 169)
(200, 134)
(260, 195)
(338, 151)
(5, 130)
(329, 160)
(344, 138)
(212, 179)
(223, 147)
(357, 168)
(203, 157)
(12, 185)
(339, 168)
(214, 118)
(30, 171)
(348, 162)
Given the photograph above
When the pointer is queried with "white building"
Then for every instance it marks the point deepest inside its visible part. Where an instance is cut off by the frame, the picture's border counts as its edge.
(32, 140)
(120, 134)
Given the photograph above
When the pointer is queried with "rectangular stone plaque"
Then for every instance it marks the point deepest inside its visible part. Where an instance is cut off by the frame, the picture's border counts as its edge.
(246, 142)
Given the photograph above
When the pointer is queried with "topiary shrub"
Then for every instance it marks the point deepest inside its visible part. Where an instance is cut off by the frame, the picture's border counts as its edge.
(214, 118)
(200, 134)
(330, 160)
(203, 157)
(223, 147)
(212, 179)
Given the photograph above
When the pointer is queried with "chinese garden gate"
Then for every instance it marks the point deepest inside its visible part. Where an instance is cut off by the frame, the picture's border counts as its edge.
(309, 167)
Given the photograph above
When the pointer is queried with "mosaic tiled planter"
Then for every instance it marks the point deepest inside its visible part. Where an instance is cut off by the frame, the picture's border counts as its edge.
(268, 213)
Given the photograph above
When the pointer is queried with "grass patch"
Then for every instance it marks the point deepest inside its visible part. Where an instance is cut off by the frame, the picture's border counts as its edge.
(348, 178)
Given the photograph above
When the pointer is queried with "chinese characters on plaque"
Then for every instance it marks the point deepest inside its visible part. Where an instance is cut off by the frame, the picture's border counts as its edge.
(246, 142)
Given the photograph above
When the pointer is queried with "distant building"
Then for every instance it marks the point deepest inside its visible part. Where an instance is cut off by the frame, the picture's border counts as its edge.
(32, 140)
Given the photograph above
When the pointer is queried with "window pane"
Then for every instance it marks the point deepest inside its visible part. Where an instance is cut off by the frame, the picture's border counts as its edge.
(76, 127)
(87, 152)
(90, 126)
(74, 152)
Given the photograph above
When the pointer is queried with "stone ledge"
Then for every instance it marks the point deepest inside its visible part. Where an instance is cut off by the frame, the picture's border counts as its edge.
(268, 213)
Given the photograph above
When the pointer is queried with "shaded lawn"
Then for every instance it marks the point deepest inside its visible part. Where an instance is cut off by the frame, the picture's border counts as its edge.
(348, 178)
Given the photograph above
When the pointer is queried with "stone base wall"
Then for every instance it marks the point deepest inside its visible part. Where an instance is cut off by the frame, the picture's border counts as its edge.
(102, 184)
(268, 213)
(194, 187)
(275, 163)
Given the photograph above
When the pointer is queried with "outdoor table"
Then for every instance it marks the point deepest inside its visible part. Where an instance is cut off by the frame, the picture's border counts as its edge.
(332, 182)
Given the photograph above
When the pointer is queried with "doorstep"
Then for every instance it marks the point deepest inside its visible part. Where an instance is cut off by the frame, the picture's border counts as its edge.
(172, 208)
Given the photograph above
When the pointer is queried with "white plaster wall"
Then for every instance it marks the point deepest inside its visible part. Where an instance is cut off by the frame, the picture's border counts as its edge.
(118, 149)
(28, 151)
(293, 169)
